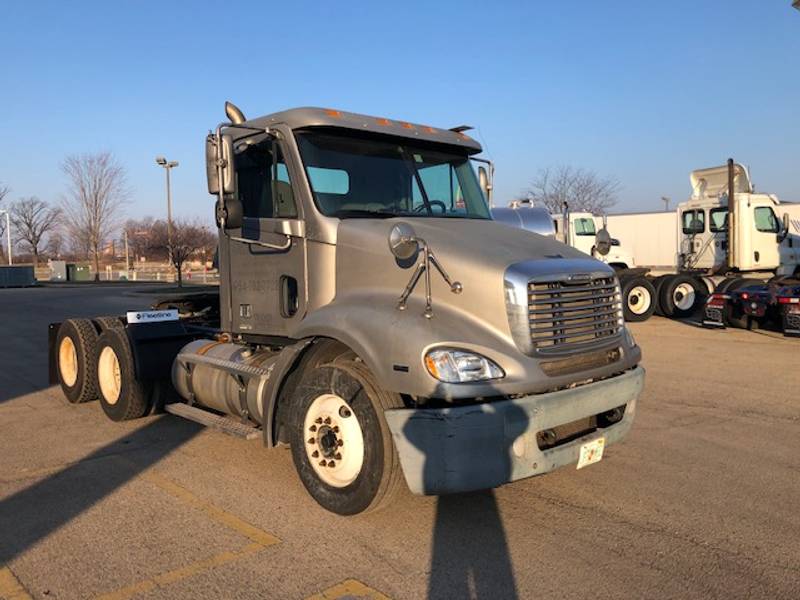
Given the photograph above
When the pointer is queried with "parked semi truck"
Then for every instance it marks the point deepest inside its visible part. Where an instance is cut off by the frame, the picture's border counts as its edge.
(720, 242)
(375, 318)
(723, 240)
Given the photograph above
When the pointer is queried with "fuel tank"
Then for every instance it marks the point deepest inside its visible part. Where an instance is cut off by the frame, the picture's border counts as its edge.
(228, 378)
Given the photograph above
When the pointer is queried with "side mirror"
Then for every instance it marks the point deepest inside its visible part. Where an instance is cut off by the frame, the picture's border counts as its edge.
(784, 230)
(230, 213)
(483, 180)
(214, 155)
(403, 242)
(602, 242)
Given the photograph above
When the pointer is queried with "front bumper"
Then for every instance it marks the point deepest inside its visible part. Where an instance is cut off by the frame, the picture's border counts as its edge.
(482, 446)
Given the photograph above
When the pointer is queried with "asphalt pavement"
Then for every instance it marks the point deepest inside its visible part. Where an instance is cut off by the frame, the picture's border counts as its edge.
(701, 500)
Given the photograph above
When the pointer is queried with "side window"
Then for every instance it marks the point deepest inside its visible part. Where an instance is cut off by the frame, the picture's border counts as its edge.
(584, 226)
(263, 183)
(718, 220)
(766, 220)
(694, 221)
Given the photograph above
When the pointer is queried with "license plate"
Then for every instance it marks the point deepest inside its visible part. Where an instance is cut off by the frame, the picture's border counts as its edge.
(591, 452)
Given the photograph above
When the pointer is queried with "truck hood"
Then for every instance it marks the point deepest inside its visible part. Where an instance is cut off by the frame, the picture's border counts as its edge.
(460, 244)
(476, 253)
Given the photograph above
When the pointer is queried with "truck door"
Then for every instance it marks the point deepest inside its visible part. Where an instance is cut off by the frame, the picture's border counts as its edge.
(718, 226)
(696, 240)
(765, 252)
(267, 276)
(582, 232)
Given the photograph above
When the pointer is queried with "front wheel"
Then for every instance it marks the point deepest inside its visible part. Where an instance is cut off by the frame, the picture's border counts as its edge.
(639, 298)
(341, 445)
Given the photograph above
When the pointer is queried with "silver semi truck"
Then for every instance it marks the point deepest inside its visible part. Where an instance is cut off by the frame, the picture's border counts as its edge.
(375, 318)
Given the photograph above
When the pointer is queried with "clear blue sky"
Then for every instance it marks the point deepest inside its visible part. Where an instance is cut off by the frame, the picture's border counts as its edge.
(642, 91)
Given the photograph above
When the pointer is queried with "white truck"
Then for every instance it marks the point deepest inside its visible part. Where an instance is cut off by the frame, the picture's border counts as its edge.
(683, 256)
(715, 241)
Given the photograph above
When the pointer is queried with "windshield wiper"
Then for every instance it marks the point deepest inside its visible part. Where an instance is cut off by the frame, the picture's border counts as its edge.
(357, 213)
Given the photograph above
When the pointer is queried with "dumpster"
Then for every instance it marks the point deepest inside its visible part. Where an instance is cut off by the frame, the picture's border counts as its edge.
(16, 276)
(78, 272)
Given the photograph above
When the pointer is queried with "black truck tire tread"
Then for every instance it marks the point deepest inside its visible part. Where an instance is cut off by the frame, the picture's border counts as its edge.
(84, 338)
(134, 396)
(380, 477)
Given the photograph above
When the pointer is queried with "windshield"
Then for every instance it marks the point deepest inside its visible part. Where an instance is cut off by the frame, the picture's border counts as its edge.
(368, 177)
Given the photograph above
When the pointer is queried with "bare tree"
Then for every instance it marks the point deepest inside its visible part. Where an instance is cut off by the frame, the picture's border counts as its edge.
(139, 233)
(4, 190)
(56, 244)
(33, 219)
(96, 193)
(582, 189)
(189, 239)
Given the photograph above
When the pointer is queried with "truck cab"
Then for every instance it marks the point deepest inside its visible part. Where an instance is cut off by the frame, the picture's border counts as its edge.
(762, 240)
(376, 319)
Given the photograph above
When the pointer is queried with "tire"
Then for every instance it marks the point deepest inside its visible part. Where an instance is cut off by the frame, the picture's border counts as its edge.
(638, 298)
(76, 352)
(121, 395)
(335, 404)
(103, 323)
(657, 282)
(680, 296)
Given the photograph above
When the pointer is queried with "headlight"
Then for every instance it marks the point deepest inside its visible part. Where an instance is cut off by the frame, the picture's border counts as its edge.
(459, 366)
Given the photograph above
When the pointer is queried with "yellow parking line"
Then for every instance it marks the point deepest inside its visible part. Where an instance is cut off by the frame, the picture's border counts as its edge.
(10, 587)
(254, 534)
(349, 588)
(258, 537)
(179, 574)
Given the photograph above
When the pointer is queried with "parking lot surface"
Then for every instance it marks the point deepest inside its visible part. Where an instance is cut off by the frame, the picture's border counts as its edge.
(700, 501)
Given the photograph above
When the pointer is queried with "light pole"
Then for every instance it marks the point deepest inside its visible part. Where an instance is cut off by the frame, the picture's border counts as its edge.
(665, 200)
(168, 166)
(8, 235)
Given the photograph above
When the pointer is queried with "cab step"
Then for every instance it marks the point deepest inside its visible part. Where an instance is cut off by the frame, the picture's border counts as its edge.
(224, 424)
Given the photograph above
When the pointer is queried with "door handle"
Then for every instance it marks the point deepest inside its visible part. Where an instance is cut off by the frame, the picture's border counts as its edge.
(288, 296)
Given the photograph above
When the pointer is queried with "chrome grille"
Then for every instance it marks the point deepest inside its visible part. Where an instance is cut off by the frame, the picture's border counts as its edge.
(569, 316)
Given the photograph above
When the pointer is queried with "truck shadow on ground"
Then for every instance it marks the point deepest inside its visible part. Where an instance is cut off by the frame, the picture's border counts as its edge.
(470, 557)
(31, 514)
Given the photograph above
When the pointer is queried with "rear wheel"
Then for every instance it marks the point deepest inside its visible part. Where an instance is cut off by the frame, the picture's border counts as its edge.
(76, 351)
(122, 396)
(341, 445)
(657, 282)
(104, 323)
(638, 296)
(680, 296)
